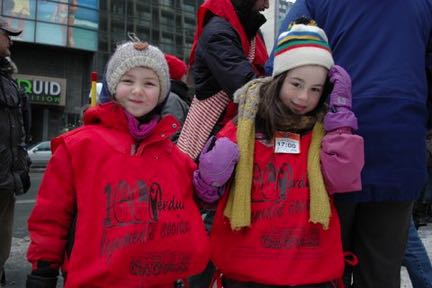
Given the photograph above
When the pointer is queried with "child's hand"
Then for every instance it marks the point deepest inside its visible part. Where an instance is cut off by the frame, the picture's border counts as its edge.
(340, 114)
(215, 168)
(340, 97)
(342, 160)
(217, 165)
(44, 276)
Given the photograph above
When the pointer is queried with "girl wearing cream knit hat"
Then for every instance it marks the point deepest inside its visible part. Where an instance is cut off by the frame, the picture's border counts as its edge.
(123, 188)
(276, 167)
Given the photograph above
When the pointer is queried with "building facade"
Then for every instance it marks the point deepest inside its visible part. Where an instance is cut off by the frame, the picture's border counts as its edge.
(168, 24)
(64, 40)
(275, 15)
(54, 55)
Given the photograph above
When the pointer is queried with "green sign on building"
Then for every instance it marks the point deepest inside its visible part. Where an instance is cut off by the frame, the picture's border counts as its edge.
(43, 90)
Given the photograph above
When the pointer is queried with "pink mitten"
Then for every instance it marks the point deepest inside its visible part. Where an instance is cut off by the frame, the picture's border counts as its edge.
(342, 160)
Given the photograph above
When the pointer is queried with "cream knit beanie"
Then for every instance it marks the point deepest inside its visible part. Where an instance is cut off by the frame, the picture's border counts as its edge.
(138, 54)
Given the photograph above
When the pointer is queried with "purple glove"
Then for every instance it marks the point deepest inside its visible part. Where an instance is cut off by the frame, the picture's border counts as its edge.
(340, 97)
(217, 165)
(340, 114)
(215, 168)
(206, 192)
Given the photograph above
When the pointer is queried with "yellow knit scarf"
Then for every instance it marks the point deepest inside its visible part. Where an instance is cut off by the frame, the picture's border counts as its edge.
(238, 206)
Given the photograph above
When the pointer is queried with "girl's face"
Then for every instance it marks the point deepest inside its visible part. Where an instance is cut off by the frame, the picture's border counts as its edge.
(302, 88)
(138, 91)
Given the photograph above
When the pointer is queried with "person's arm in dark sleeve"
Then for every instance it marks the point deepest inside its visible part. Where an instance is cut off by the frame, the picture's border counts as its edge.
(299, 9)
(225, 59)
(26, 113)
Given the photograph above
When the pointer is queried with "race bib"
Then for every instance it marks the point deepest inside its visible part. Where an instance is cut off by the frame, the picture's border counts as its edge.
(286, 142)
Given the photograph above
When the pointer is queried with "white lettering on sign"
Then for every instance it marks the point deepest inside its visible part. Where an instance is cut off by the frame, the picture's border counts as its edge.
(43, 90)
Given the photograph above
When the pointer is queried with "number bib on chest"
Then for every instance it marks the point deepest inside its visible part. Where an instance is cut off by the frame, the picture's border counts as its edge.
(286, 142)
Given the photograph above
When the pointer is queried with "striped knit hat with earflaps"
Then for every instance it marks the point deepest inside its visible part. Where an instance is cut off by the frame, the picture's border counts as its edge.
(302, 44)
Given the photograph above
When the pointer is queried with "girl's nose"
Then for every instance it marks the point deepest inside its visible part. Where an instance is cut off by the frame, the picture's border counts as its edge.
(137, 89)
(303, 95)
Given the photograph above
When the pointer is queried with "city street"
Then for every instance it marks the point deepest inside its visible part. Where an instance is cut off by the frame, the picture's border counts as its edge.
(17, 267)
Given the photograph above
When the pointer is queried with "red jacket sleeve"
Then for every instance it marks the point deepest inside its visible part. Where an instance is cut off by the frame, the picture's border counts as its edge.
(50, 221)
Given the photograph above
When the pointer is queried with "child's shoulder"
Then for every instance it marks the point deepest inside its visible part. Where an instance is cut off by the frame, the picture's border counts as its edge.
(86, 132)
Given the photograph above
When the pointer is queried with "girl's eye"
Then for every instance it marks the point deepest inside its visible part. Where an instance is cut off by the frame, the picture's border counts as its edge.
(150, 84)
(126, 80)
(316, 90)
(295, 84)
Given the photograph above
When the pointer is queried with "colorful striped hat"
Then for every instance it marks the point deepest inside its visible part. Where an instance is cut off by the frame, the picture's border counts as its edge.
(302, 45)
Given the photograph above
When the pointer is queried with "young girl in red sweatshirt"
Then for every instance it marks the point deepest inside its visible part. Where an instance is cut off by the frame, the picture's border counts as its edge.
(287, 153)
(122, 187)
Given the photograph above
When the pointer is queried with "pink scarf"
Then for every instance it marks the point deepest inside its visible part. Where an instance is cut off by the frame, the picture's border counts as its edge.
(141, 131)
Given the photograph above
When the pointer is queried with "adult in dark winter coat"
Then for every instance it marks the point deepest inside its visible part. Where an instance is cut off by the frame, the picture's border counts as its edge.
(386, 58)
(14, 178)
(228, 51)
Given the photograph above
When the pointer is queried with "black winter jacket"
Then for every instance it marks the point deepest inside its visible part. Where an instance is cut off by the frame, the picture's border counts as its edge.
(219, 62)
(14, 163)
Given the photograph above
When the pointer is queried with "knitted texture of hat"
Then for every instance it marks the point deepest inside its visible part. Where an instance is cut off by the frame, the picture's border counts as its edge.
(138, 54)
(238, 206)
(301, 45)
(177, 68)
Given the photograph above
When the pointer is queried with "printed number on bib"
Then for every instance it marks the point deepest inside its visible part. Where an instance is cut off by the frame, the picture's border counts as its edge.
(286, 142)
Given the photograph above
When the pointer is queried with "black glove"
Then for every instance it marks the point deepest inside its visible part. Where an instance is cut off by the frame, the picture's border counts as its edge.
(44, 276)
(35, 281)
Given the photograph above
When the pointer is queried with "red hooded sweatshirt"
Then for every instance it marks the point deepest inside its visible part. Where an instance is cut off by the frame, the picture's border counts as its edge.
(136, 221)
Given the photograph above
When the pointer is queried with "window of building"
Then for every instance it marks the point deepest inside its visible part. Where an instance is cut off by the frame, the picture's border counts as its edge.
(52, 34)
(189, 6)
(83, 17)
(51, 21)
(28, 28)
(83, 39)
(86, 3)
(19, 8)
(50, 11)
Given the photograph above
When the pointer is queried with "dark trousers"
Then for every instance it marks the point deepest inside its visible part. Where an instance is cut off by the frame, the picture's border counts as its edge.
(377, 234)
(7, 205)
(228, 283)
(203, 280)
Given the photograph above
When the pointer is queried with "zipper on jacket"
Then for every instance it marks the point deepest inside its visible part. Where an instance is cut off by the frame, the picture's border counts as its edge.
(133, 149)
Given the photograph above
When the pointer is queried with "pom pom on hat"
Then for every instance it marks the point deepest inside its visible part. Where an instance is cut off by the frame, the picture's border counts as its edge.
(177, 68)
(138, 54)
(302, 44)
